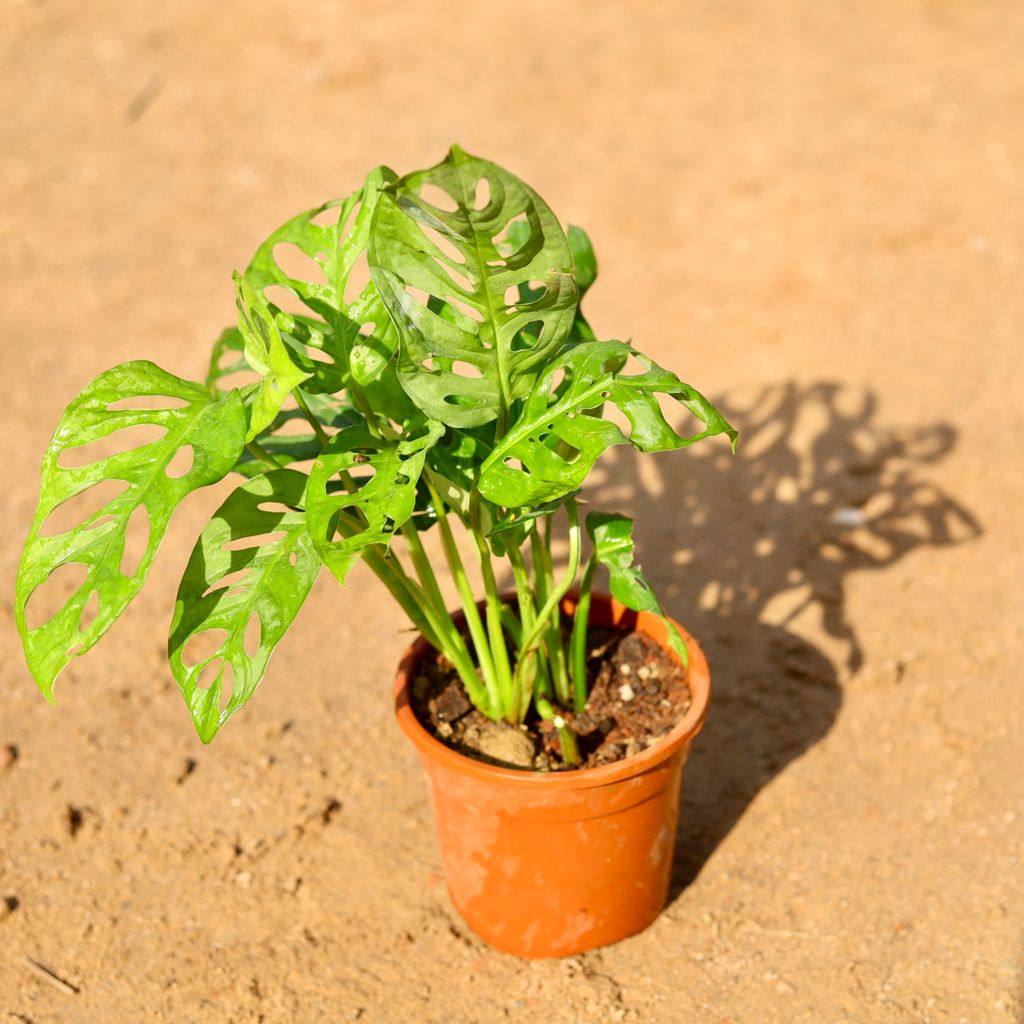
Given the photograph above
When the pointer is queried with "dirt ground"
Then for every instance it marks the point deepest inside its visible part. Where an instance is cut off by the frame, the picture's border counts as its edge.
(812, 211)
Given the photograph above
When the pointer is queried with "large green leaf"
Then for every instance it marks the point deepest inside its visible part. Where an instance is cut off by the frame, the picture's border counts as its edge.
(381, 504)
(241, 580)
(213, 429)
(612, 536)
(354, 338)
(553, 445)
(470, 346)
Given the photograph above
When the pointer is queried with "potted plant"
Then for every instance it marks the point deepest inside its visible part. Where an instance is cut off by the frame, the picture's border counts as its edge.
(425, 336)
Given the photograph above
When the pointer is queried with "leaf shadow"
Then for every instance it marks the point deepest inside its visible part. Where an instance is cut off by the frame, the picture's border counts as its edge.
(745, 549)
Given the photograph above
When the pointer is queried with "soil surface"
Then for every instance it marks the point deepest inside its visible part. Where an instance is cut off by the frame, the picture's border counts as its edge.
(814, 213)
(637, 693)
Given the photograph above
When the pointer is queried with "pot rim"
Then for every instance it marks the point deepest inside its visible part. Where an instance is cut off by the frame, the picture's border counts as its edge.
(698, 680)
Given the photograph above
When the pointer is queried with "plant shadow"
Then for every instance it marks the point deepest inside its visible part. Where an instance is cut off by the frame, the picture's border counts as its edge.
(818, 489)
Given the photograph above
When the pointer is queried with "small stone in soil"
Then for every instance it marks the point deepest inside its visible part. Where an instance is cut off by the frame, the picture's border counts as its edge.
(626, 691)
(625, 669)
(508, 745)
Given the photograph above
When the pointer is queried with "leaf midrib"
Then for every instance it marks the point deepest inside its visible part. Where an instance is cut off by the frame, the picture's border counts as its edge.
(482, 269)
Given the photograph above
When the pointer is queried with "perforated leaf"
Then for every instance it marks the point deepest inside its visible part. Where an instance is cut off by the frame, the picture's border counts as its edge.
(249, 573)
(552, 447)
(468, 354)
(265, 352)
(214, 432)
(612, 536)
(345, 334)
(385, 500)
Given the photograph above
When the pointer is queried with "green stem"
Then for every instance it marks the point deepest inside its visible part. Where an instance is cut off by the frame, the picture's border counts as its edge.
(527, 614)
(493, 606)
(322, 435)
(578, 647)
(263, 456)
(455, 646)
(550, 606)
(553, 629)
(469, 608)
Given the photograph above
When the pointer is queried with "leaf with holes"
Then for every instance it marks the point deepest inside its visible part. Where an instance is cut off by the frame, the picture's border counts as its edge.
(344, 336)
(552, 447)
(265, 352)
(612, 536)
(132, 395)
(381, 503)
(436, 248)
(249, 573)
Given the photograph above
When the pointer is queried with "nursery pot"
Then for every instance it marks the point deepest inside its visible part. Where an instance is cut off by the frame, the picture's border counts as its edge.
(546, 864)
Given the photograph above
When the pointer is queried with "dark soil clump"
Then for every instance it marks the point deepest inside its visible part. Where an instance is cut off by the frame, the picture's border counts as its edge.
(638, 693)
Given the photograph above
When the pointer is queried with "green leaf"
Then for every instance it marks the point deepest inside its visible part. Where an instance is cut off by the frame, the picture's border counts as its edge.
(288, 447)
(612, 536)
(469, 345)
(213, 429)
(264, 352)
(239, 580)
(584, 259)
(328, 242)
(382, 503)
(454, 462)
(555, 444)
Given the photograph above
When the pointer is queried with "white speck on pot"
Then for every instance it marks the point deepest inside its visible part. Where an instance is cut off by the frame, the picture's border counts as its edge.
(626, 692)
(243, 878)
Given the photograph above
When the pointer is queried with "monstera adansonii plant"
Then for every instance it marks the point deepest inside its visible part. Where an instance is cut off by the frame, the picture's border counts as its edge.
(425, 336)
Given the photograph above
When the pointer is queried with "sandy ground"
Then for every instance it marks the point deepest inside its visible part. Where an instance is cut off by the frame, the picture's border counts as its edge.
(815, 212)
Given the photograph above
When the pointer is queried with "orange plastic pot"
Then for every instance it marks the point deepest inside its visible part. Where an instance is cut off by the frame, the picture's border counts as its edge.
(550, 864)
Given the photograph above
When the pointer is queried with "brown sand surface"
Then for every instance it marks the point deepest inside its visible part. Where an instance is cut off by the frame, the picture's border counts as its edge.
(812, 211)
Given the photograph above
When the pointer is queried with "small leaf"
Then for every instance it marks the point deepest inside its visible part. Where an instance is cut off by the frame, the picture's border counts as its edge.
(584, 259)
(469, 345)
(232, 587)
(613, 548)
(264, 352)
(553, 445)
(213, 429)
(382, 503)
